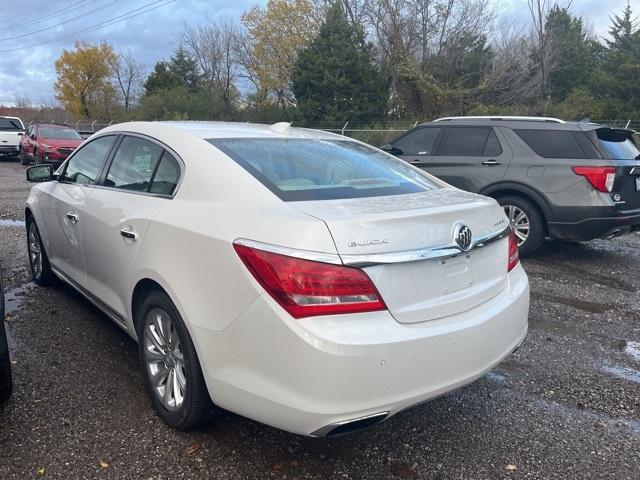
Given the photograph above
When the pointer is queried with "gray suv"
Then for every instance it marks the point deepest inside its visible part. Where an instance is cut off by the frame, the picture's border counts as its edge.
(565, 180)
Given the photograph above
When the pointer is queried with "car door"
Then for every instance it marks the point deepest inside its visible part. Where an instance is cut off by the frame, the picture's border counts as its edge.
(26, 141)
(416, 146)
(140, 179)
(64, 205)
(470, 157)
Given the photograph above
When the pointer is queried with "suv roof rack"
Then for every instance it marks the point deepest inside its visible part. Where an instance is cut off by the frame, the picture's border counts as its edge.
(503, 118)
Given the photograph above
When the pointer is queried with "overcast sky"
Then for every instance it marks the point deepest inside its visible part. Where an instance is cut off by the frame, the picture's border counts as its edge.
(30, 29)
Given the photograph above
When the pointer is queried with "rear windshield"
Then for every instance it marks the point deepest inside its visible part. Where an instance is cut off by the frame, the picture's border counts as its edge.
(617, 145)
(309, 169)
(64, 133)
(10, 124)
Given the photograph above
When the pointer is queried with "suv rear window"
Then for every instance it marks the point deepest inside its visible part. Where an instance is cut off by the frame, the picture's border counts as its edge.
(552, 143)
(617, 145)
(308, 169)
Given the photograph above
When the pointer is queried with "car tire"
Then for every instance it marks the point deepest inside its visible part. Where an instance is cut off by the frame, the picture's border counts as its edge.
(5, 362)
(24, 160)
(167, 355)
(38, 259)
(526, 221)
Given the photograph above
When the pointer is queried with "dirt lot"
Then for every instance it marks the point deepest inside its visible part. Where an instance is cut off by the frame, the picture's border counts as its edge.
(566, 405)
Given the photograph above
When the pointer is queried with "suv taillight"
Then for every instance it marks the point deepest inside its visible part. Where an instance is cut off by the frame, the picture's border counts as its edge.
(601, 178)
(514, 256)
(306, 288)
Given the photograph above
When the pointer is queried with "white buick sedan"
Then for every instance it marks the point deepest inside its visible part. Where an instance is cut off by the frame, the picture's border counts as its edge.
(296, 277)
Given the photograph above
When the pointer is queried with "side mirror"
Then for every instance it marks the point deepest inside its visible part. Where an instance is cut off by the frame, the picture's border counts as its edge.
(391, 149)
(20, 134)
(40, 173)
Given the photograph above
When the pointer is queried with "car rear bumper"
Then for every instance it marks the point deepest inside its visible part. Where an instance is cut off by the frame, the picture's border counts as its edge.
(596, 223)
(312, 375)
(9, 149)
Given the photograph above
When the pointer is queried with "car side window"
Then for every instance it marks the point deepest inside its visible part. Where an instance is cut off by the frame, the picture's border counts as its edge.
(167, 176)
(552, 143)
(469, 142)
(133, 164)
(85, 165)
(419, 142)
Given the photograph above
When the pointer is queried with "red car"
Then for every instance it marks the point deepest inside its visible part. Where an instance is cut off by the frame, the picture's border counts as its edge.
(48, 143)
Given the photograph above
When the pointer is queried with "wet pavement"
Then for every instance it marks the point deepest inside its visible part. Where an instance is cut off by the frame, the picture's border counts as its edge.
(565, 405)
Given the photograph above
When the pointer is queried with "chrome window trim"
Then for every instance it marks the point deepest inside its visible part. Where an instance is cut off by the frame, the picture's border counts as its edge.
(373, 259)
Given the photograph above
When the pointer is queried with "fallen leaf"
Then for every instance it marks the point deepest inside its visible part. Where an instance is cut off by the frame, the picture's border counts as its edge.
(511, 467)
(277, 467)
(193, 448)
(41, 472)
(103, 464)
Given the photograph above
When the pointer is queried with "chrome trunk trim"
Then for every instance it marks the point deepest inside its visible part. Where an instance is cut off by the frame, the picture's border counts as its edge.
(368, 260)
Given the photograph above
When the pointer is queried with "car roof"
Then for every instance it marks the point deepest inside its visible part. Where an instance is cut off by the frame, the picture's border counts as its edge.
(209, 130)
(53, 125)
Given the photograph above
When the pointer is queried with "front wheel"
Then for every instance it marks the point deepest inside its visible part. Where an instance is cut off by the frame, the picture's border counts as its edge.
(526, 221)
(170, 365)
(38, 260)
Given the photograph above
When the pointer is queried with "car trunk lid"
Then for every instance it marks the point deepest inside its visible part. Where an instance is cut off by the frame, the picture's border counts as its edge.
(394, 238)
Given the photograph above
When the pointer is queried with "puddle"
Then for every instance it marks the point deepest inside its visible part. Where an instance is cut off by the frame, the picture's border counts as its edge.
(8, 222)
(624, 373)
(633, 349)
(14, 298)
(583, 305)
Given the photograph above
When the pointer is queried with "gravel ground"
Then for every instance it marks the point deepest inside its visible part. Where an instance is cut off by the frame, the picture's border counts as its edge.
(566, 405)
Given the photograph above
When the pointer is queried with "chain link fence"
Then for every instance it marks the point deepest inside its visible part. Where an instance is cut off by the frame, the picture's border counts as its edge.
(374, 134)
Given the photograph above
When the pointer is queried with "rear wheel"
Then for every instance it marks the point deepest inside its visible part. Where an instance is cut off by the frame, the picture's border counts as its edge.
(38, 260)
(170, 366)
(526, 221)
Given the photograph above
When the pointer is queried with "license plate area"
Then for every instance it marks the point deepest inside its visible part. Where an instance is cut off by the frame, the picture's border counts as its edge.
(456, 274)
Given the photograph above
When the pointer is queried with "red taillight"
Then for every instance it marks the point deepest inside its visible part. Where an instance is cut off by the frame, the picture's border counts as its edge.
(514, 256)
(601, 178)
(305, 288)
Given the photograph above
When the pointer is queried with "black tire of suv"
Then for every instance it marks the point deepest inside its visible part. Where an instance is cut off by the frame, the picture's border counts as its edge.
(536, 223)
(5, 362)
(197, 407)
(47, 276)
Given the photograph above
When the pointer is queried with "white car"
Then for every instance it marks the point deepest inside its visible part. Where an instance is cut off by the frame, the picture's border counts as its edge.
(11, 131)
(296, 277)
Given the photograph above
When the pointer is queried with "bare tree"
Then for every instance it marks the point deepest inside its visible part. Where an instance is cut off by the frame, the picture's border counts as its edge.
(128, 76)
(217, 48)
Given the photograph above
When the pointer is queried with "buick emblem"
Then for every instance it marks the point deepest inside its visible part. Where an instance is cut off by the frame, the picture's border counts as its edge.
(462, 237)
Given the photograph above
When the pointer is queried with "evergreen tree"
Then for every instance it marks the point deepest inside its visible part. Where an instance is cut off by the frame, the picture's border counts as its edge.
(180, 71)
(335, 78)
(573, 53)
(616, 84)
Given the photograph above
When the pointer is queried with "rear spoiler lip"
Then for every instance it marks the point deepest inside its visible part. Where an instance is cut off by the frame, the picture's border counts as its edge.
(373, 259)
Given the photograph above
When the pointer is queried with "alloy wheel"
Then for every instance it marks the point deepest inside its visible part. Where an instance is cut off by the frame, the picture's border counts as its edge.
(519, 222)
(165, 360)
(35, 252)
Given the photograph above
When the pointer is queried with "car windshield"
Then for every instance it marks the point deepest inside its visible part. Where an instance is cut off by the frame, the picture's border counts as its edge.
(310, 169)
(10, 124)
(61, 133)
(617, 144)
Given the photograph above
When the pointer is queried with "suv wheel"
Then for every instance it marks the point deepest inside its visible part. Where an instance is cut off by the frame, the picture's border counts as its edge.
(170, 365)
(526, 221)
